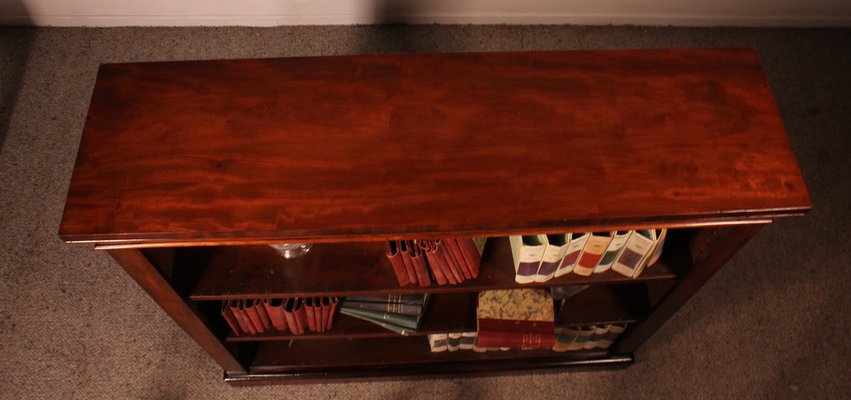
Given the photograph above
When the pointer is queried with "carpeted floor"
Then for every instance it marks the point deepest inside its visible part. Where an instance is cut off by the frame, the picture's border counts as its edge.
(773, 323)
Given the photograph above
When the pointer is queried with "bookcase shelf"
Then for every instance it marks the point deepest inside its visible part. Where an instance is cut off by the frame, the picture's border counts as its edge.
(186, 171)
(456, 312)
(360, 268)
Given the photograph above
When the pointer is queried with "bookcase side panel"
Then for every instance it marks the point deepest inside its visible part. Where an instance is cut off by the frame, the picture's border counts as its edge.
(150, 279)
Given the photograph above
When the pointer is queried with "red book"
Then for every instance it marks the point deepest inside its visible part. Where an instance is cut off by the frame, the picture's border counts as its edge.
(470, 253)
(261, 312)
(326, 311)
(275, 309)
(230, 319)
(251, 312)
(310, 314)
(516, 340)
(406, 260)
(450, 262)
(455, 251)
(394, 255)
(241, 318)
(318, 315)
(420, 266)
(331, 310)
(293, 313)
(434, 262)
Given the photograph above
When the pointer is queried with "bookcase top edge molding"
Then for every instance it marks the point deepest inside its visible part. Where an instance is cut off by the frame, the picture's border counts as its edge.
(372, 147)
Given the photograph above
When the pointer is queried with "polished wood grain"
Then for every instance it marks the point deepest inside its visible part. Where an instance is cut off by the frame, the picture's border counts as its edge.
(370, 147)
(357, 268)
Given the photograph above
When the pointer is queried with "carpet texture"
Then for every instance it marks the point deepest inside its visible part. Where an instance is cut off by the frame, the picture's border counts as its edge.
(773, 323)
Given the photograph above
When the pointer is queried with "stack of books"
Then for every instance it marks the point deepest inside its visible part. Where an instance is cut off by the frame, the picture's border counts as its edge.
(574, 338)
(445, 261)
(455, 341)
(296, 315)
(515, 318)
(399, 313)
(539, 258)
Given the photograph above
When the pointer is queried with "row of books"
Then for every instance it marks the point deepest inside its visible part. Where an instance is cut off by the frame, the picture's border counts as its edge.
(399, 313)
(297, 315)
(574, 338)
(445, 261)
(539, 258)
(440, 342)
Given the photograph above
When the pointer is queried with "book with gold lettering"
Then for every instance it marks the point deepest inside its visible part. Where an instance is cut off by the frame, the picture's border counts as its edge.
(517, 318)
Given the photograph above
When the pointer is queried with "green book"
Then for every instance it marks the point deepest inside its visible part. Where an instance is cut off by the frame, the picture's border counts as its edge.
(384, 324)
(407, 321)
(391, 308)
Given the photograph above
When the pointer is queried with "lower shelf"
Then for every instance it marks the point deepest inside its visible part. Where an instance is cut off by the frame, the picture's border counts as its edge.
(305, 361)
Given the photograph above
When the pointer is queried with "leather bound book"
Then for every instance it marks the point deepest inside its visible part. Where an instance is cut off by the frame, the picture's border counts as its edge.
(414, 299)
(406, 321)
(433, 261)
(310, 314)
(326, 310)
(574, 249)
(419, 261)
(406, 260)
(516, 340)
(449, 261)
(334, 301)
(454, 250)
(251, 312)
(592, 253)
(300, 314)
(230, 319)
(275, 309)
(396, 262)
(294, 314)
(390, 306)
(518, 310)
(472, 253)
(263, 314)
(245, 324)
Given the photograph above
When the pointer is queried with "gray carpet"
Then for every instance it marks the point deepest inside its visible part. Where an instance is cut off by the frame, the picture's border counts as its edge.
(773, 323)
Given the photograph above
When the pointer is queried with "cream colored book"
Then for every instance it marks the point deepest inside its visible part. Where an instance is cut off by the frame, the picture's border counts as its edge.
(655, 251)
(592, 253)
(613, 251)
(528, 251)
(437, 342)
(556, 247)
(574, 249)
(635, 251)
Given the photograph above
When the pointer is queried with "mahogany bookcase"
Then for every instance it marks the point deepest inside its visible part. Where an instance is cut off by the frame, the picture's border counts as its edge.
(187, 170)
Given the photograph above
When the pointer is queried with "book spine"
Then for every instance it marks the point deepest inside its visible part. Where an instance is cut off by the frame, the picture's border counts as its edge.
(230, 319)
(310, 314)
(454, 341)
(420, 267)
(458, 256)
(517, 340)
(613, 251)
(396, 262)
(433, 261)
(391, 308)
(247, 307)
(334, 302)
(396, 319)
(592, 253)
(527, 258)
(552, 257)
(656, 253)
(264, 316)
(577, 243)
(449, 260)
(491, 324)
(415, 299)
(468, 339)
(437, 342)
(275, 309)
(611, 335)
(471, 254)
(406, 260)
(634, 252)
(384, 324)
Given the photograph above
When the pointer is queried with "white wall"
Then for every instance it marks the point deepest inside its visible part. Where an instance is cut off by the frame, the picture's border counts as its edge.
(310, 12)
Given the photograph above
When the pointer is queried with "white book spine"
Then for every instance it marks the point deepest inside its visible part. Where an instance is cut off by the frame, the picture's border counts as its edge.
(437, 342)
(613, 251)
(656, 253)
(552, 257)
(634, 253)
(571, 254)
(591, 254)
(528, 251)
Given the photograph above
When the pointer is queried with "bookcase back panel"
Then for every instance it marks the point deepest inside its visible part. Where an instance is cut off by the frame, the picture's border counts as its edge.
(371, 147)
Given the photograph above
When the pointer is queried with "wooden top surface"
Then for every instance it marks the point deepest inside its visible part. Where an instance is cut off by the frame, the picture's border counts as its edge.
(370, 147)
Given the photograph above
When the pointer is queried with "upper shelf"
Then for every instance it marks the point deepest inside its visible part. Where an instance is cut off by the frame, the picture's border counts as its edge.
(341, 269)
(359, 148)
